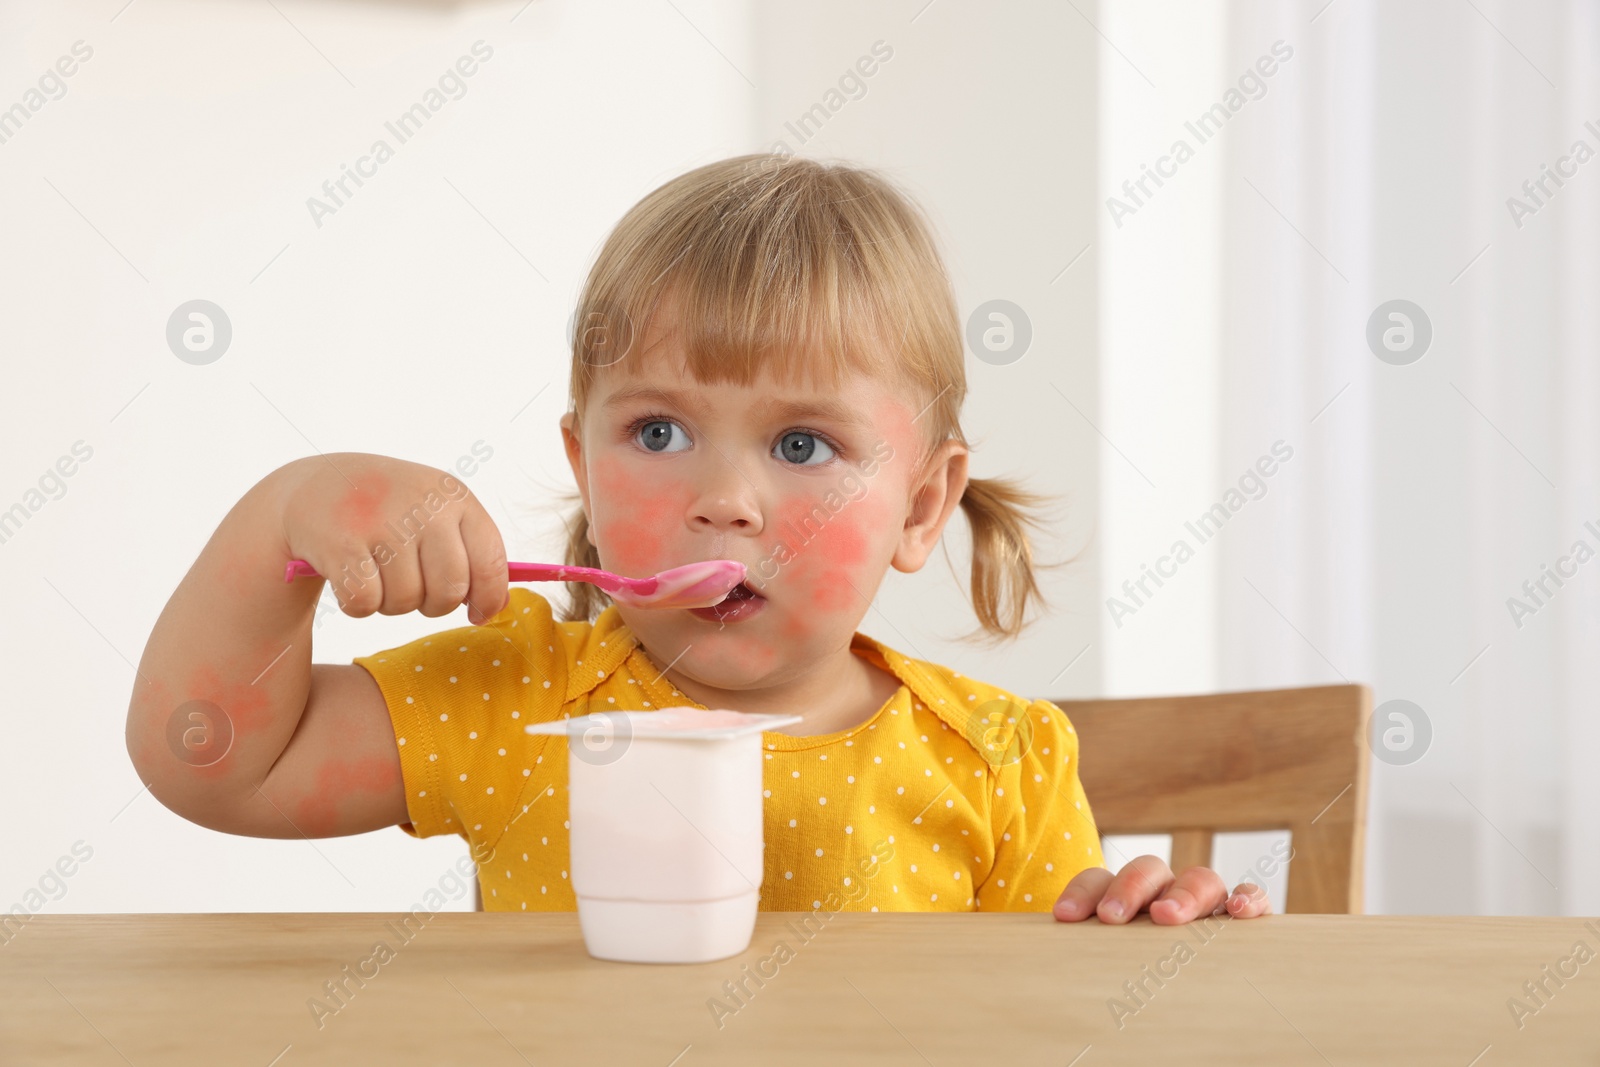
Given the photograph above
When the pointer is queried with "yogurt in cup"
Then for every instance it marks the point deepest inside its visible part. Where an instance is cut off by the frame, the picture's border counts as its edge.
(666, 814)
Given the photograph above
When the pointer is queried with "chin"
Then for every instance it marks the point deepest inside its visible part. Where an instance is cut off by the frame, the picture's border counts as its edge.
(727, 667)
(733, 657)
(720, 675)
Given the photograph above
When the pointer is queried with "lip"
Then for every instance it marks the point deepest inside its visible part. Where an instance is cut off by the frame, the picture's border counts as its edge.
(732, 610)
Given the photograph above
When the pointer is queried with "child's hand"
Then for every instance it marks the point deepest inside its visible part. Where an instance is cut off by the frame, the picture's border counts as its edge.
(302, 749)
(1148, 883)
(394, 537)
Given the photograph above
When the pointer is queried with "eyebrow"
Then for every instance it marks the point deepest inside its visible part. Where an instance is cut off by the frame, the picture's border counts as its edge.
(832, 410)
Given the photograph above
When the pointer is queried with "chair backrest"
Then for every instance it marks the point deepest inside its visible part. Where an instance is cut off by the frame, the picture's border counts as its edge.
(1193, 766)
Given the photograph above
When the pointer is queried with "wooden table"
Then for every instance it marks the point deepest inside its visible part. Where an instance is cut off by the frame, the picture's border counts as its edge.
(490, 989)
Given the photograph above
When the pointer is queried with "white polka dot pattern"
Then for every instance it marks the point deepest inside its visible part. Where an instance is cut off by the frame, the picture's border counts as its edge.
(869, 825)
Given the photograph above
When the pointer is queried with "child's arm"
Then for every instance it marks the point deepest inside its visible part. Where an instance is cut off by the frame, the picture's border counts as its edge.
(230, 724)
(1046, 829)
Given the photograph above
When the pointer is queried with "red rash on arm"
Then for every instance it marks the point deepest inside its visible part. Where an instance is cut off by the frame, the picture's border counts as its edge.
(317, 814)
(360, 507)
(248, 708)
(150, 701)
(229, 710)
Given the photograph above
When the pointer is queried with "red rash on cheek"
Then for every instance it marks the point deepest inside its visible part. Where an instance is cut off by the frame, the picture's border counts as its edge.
(635, 518)
(836, 562)
(831, 567)
(796, 628)
(833, 594)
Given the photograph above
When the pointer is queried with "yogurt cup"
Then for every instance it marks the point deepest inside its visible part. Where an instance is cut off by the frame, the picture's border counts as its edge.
(666, 814)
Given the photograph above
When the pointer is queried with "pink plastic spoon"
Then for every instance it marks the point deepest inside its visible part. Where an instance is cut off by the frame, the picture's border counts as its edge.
(694, 585)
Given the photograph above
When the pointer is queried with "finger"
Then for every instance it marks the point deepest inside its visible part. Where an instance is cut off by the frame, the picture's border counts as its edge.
(1078, 900)
(1143, 879)
(486, 561)
(1197, 891)
(1248, 901)
(357, 584)
(444, 570)
(402, 584)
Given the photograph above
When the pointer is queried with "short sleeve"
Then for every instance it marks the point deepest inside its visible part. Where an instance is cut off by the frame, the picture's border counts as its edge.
(1044, 832)
(459, 700)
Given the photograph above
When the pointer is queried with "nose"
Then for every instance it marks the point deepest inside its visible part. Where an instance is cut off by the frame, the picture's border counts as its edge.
(727, 502)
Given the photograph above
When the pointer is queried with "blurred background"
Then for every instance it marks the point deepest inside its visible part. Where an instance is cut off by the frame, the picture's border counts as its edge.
(1357, 238)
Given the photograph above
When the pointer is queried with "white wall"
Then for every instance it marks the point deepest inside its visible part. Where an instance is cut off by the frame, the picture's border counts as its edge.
(1161, 352)
(406, 324)
(429, 313)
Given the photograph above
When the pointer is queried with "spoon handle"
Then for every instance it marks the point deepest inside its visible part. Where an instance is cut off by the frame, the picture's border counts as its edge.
(516, 572)
(554, 572)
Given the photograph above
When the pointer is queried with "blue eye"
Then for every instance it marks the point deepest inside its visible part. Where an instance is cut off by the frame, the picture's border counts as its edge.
(799, 448)
(658, 436)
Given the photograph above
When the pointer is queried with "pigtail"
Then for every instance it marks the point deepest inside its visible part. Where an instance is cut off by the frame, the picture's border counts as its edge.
(1004, 574)
(584, 600)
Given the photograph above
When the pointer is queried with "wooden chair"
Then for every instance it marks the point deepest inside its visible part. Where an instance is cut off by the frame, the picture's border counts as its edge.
(1194, 766)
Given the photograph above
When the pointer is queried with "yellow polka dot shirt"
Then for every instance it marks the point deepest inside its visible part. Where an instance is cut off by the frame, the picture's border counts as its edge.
(953, 796)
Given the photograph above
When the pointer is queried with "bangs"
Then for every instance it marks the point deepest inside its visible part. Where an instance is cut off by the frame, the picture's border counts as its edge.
(762, 265)
(728, 330)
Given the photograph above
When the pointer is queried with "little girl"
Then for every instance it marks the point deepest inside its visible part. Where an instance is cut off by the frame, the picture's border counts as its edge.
(768, 368)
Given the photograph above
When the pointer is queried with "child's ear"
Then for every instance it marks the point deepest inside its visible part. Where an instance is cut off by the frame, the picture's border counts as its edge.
(571, 438)
(933, 500)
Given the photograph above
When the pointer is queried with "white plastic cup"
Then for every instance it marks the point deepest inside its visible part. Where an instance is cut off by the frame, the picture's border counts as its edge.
(666, 814)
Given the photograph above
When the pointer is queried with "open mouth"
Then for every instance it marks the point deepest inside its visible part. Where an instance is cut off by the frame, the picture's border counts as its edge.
(742, 602)
(739, 592)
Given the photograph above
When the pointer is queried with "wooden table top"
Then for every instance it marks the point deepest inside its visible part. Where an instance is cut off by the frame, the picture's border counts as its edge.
(489, 989)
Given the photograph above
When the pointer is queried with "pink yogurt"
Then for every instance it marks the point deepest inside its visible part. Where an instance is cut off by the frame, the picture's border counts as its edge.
(675, 719)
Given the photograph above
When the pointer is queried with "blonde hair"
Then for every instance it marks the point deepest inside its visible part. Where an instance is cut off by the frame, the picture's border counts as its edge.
(800, 268)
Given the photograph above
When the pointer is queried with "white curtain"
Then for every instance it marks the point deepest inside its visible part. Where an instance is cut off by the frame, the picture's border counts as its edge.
(1376, 165)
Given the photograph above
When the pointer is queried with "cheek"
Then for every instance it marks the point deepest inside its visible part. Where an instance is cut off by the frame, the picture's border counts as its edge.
(838, 559)
(796, 627)
(838, 579)
(634, 517)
